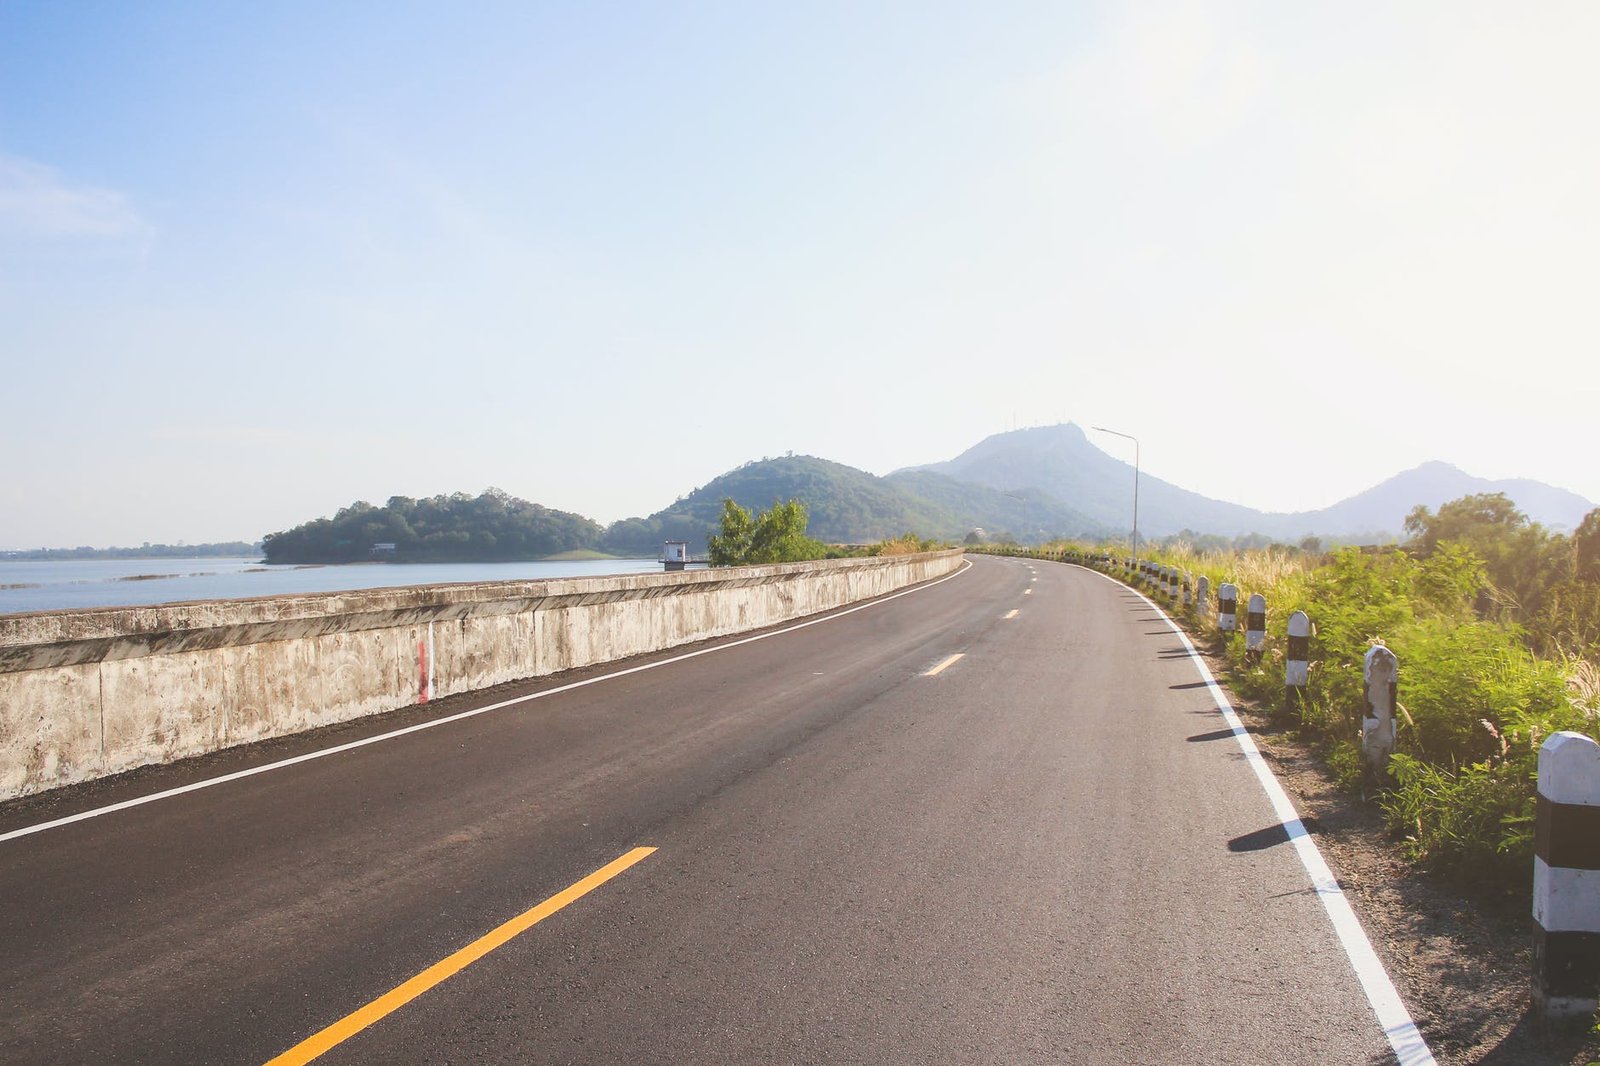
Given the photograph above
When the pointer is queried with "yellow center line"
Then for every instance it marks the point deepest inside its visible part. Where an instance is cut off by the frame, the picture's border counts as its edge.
(1027, 592)
(1013, 612)
(937, 670)
(391, 1001)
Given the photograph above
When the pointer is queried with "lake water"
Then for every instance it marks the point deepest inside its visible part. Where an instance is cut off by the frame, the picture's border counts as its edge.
(77, 583)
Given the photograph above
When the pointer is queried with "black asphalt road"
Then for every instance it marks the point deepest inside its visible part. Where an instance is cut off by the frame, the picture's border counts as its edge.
(1052, 851)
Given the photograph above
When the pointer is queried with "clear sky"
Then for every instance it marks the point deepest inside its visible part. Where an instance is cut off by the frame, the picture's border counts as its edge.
(258, 261)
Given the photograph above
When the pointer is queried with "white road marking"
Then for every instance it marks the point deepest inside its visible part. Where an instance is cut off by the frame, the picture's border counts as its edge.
(942, 667)
(1013, 612)
(1027, 592)
(1409, 1046)
(238, 775)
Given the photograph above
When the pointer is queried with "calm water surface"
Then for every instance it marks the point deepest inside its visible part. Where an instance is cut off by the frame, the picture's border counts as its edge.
(49, 586)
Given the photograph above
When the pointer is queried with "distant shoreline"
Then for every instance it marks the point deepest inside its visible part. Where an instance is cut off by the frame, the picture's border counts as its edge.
(58, 555)
(232, 549)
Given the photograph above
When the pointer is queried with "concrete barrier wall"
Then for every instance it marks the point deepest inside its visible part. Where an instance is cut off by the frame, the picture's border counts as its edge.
(84, 694)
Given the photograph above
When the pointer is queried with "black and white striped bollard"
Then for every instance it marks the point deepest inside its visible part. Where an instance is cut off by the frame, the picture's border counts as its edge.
(1380, 677)
(1188, 593)
(1566, 878)
(1255, 628)
(1227, 607)
(1174, 580)
(1297, 673)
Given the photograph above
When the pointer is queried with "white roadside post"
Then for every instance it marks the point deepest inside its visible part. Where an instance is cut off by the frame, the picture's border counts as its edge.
(1202, 594)
(1380, 675)
(1227, 607)
(1255, 628)
(1297, 673)
(1566, 879)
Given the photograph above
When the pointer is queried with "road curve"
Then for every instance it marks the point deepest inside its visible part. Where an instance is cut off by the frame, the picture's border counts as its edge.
(1049, 850)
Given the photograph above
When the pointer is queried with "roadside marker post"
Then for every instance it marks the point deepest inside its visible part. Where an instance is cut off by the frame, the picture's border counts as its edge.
(1227, 607)
(1255, 628)
(1380, 676)
(1202, 596)
(1297, 673)
(1566, 879)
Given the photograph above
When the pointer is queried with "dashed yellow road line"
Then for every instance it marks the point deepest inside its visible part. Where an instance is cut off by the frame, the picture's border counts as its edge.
(1013, 612)
(937, 670)
(391, 1001)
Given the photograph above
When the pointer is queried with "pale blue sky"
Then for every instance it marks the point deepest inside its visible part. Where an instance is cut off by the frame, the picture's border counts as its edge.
(258, 261)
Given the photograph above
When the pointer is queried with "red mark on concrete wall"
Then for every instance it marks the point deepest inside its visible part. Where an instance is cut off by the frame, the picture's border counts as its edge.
(422, 671)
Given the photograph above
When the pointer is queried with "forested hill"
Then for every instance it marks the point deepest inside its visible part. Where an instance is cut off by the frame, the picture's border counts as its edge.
(493, 526)
(847, 505)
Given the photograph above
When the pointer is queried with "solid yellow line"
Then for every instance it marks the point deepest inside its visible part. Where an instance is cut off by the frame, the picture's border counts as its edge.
(393, 1000)
(948, 662)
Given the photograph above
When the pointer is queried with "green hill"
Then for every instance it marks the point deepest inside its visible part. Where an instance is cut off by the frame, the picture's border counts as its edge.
(848, 506)
(491, 527)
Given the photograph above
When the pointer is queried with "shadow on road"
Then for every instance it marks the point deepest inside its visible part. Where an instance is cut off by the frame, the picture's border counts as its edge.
(1191, 684)
(1215, 734)
(1270, 837)
(1260, 840)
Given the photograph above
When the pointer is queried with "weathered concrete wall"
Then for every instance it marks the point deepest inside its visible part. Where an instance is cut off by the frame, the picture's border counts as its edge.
(84, 694)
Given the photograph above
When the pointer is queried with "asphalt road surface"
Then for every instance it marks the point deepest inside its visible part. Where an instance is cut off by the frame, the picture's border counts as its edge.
(1050, 850)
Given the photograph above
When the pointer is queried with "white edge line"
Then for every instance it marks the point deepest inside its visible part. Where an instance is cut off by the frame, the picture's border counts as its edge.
(238, 775)
(1404, 1036)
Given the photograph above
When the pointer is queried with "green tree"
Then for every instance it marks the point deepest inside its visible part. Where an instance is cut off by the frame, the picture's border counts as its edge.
(774, 536)
(1522, 559)
(1586, 548)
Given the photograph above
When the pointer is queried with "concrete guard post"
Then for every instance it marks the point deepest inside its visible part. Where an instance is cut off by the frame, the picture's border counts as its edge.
(1174, 578)
(1380, 676)
(1297, 673)
(1255, 628)
(1227, 607)
(1202, 596)
(1566, 879)
(1188, 592)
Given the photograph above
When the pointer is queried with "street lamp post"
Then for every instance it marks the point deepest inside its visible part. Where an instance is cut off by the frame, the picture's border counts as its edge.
(1130, 436)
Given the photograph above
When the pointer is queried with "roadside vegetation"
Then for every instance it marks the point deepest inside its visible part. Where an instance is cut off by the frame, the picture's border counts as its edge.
(1496, 624)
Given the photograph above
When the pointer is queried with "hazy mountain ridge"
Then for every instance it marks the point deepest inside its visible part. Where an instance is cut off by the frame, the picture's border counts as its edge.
(1030, 484)
(1062, 462)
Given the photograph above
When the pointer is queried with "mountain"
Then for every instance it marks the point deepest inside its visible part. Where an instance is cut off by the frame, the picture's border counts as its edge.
(850, 506)
(1060, 462)
(1385, 506)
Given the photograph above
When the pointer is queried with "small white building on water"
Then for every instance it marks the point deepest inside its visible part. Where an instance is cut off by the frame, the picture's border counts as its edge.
(675, 553)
